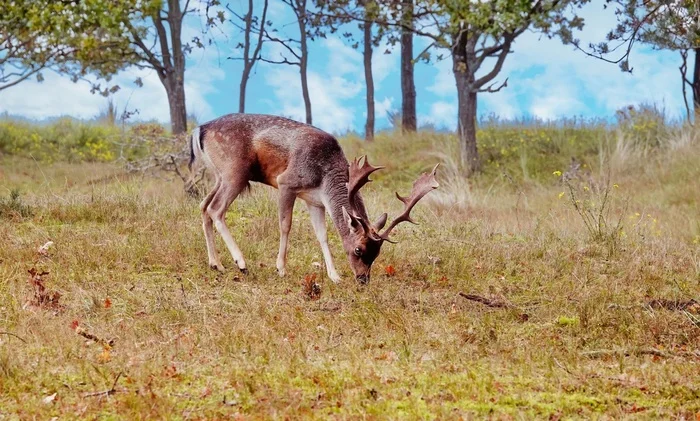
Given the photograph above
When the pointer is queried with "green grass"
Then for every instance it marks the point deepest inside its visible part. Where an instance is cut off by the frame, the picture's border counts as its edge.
(130, 263)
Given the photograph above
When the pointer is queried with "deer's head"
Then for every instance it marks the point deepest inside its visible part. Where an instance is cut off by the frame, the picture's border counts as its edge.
(365, 241)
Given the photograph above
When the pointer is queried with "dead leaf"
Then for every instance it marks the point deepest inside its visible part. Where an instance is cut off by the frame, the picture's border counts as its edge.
(74, 324)
(105, 356)
(634, 409)
(389, 356)
(390, 271)
(108, 303)
(42, 297)
(312, 290)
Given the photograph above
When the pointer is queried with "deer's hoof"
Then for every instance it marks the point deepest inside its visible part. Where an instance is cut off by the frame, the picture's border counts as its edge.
(244, 270)
(216, 266)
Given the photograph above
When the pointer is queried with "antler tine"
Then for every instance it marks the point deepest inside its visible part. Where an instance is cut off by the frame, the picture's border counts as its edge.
(422, 186)
(359, 175)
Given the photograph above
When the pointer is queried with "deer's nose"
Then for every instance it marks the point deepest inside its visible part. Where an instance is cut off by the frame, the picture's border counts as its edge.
(363, 279)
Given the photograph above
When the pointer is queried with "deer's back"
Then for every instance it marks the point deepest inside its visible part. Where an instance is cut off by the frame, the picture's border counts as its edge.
(265, 146)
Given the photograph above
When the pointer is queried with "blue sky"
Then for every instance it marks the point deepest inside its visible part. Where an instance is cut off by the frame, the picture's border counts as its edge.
(546, 80)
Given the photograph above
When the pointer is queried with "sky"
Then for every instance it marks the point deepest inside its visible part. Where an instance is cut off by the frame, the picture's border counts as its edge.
(546, 79)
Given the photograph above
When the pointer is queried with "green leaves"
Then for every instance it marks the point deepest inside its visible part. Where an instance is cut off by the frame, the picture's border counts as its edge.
(72, 37)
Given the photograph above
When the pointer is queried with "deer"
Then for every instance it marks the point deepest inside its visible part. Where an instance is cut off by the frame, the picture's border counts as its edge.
(300, 161)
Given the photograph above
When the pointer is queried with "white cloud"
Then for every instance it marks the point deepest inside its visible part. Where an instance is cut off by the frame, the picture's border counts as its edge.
(342, 58)
(444, 82)
(442, 114)
(382, 107)
(327, 97)
(383, 64)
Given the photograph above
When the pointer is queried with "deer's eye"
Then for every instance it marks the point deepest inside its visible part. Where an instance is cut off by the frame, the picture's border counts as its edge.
(358, 252)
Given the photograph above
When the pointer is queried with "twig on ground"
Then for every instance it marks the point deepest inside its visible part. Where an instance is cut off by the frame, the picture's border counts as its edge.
(12, 334)
(109, 392)
(599, 353)
(673, 304)
(486, 301)
(87, 335)
(496, 303)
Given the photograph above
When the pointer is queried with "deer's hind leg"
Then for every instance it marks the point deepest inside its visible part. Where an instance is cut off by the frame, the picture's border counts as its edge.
(208, 227)
(216, 209)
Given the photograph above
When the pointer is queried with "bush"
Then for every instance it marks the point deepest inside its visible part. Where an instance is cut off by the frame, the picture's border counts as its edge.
(63, 140)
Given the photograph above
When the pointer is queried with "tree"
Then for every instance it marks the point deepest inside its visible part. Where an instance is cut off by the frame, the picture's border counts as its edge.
(101, 38)
(296, 48)
(480, 36)
(251, 25)
(70, 37)
(409, 122)
(663, 24)
(162, 22)
(330, 15)
(367, 43)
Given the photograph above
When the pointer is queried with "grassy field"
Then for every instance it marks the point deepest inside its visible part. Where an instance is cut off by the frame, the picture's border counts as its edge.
(132, 324)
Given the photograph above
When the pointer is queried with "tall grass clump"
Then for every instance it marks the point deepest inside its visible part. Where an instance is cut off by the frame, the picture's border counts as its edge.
(13, 207)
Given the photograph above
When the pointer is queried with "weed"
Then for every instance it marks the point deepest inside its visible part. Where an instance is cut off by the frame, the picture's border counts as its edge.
(13, 207)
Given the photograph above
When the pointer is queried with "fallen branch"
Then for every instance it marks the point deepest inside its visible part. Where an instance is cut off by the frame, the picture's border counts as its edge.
(600, 353)
(486, 301)
(87, 335)
(12, 334)
(673, 304)
(496, 304)
(109, 392)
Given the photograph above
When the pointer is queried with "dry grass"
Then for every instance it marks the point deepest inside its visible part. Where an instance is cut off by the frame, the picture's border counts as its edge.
(576, 339)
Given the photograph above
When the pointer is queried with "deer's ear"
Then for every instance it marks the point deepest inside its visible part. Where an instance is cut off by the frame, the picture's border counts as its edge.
(353, 222)
(380, 222)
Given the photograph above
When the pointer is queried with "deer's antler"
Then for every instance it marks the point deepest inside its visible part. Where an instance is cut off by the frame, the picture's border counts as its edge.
(422, 186)
(359, 176)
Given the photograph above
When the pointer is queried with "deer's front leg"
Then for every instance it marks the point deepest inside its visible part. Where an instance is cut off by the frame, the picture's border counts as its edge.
(286, 207)
(318, 220)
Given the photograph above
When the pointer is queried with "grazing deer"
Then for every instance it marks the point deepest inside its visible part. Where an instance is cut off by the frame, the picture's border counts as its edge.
(300, 161)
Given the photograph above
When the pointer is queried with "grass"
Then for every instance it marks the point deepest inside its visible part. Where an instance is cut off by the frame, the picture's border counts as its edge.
(576, 339)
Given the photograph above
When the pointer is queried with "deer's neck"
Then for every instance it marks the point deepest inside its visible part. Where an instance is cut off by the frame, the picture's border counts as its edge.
(337, 194)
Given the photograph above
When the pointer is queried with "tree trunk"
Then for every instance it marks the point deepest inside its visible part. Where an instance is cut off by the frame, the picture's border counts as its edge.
(696, 85)
(248, 22)
(408, 87)
(249, 58)
(304, 83)
(244, 83)
(176, 100)
(369, 81)
(303, 61)
(466, 116)
(175, 76)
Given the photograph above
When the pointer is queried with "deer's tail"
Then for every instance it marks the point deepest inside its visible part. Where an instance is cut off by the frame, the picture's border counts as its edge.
(196, 150)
